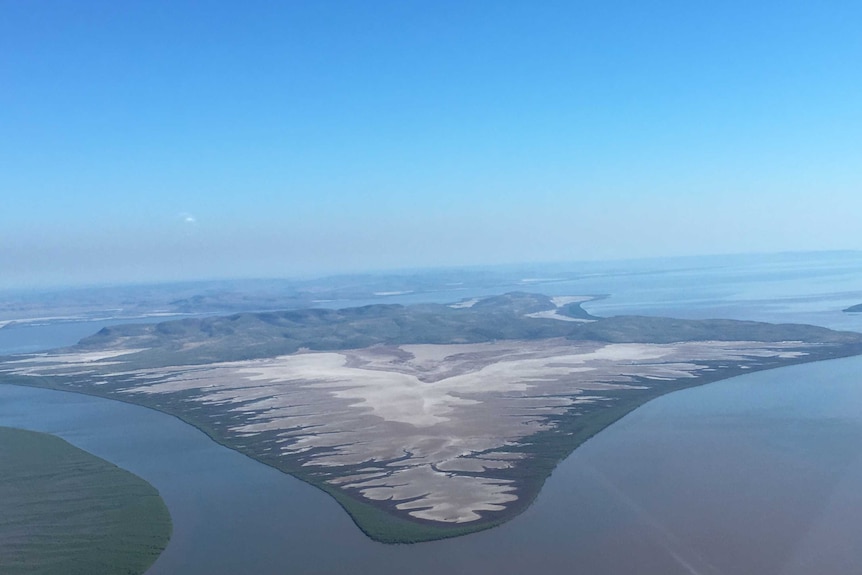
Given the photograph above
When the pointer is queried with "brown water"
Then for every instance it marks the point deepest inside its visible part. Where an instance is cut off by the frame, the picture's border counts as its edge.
(759, 474)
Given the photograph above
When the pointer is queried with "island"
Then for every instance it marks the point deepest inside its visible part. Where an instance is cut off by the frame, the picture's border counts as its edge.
(63, 510)
(854, 308)
(423, 421)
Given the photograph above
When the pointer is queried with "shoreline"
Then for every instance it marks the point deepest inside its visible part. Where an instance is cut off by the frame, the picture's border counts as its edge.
(381, 526)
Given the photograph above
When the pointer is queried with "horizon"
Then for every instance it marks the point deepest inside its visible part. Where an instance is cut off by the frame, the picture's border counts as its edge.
(171, 142)
(406, 272)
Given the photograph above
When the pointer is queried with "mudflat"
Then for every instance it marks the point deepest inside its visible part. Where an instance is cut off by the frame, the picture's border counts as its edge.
(422, 421)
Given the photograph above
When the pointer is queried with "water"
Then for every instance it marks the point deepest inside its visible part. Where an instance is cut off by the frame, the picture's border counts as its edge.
(35, 337)
(757, 474)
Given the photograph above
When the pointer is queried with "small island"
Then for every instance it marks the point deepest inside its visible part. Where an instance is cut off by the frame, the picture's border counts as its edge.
(423, 421)
(63, 510)
(854, 308)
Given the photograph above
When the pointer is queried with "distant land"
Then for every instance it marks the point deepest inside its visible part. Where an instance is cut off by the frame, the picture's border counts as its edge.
(157, 301)
(854, 309)
(423, 421)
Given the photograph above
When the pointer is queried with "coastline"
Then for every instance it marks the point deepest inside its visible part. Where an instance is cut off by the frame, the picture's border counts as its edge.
(381, 526)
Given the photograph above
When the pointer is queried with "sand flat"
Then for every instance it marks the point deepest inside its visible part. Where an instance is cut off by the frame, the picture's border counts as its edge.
(430, 427)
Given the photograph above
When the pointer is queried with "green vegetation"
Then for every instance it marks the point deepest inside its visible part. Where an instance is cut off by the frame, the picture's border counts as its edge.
(258, 335)
(64, 511)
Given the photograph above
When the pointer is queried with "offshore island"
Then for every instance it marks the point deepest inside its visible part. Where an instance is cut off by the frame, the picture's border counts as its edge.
(423, 421)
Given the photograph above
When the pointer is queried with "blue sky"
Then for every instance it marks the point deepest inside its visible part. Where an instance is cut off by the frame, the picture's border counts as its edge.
(176, 140)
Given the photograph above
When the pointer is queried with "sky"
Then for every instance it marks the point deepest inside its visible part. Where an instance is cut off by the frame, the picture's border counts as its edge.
(169, 140)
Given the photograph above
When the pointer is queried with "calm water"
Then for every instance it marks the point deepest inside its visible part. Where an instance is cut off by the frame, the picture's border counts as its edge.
(758, 474)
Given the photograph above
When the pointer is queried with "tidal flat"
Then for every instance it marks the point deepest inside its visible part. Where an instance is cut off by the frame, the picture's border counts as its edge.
(420, 440)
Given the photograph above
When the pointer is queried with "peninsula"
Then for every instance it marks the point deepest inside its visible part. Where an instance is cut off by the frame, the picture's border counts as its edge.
(423, 421)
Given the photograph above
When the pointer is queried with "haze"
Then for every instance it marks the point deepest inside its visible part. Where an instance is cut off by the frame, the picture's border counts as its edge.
(163, 140)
